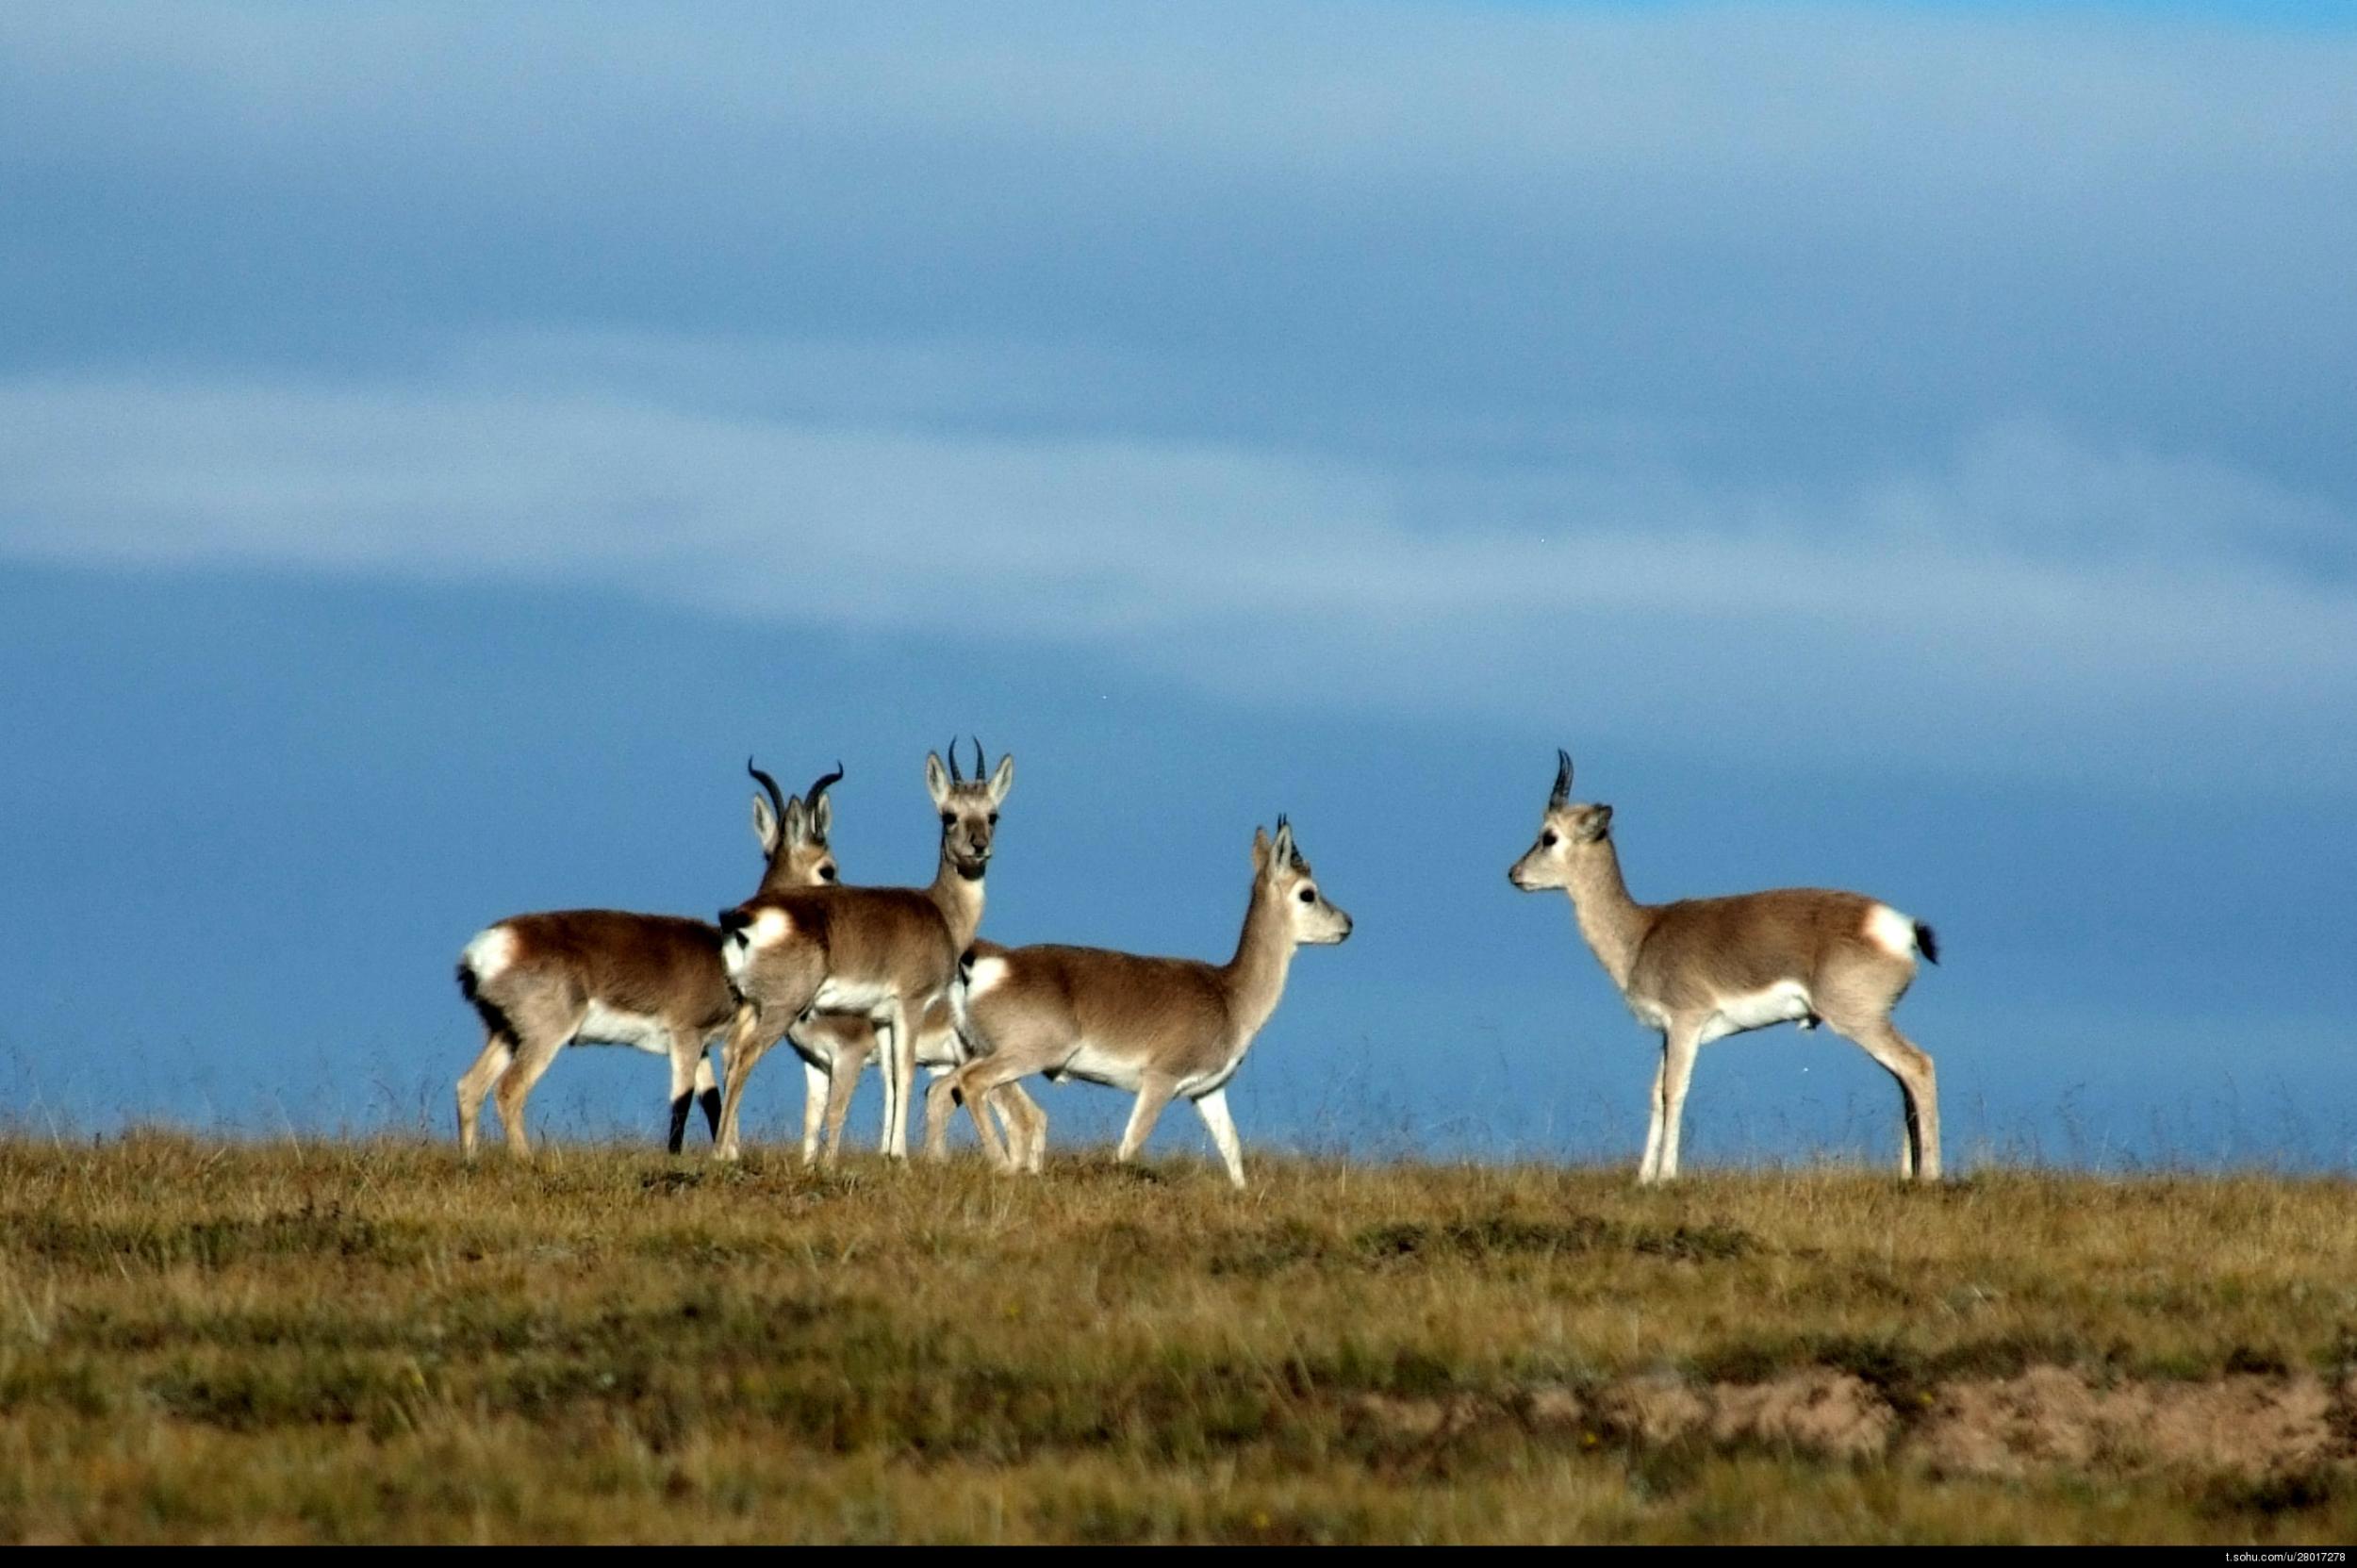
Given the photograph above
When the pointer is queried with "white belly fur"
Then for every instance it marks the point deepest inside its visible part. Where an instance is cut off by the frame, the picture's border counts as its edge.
(609, 1026)
(1203, 1083)
(1651, 1014)
(939, 1050)
(1091, 1063)
(839, 996)
(1785, 1003)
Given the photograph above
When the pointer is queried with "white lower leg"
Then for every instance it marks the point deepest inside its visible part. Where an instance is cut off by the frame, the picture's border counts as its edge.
(1677, 1073)
(1649, 1167)
(817, 1081)
(895, 1058)
(1223, 1127)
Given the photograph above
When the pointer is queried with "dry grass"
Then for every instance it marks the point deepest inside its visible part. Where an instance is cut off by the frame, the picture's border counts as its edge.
(366, 1342)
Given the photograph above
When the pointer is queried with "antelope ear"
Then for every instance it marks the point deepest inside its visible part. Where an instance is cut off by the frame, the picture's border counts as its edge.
(822, 819)
(1599, 823)
(1260, 850)
(765, 825)
(936, 780)
(1282, 851)
(1003, 780)
(796, 824)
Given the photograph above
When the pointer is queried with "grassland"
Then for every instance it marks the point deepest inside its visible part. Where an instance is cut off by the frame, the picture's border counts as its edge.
(367, 1341)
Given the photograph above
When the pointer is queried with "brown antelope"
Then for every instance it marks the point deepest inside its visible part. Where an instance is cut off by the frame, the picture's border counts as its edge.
(655, 981)
(834, 1047)
(1157, 1027)
(1700, 969)
(886, 954)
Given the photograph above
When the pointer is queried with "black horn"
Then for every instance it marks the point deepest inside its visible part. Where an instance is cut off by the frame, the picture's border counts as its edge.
(980, 771)
(1293, 854)
(1562, 777)
(820, 787)
(954, 777)
(777, 801)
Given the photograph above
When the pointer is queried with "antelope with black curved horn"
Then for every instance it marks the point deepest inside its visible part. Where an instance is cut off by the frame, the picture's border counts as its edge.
(1700, 969)
(835, 1046)
(886, 954)
(603, 975)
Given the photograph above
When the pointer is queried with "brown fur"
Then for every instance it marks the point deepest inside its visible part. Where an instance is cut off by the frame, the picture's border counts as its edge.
(899, 946)
(1692, 968)
(890, 938)
(656, 963)
(661, 967)
(1179, 1008)
(847, 1040)
(1158, 1026)
(1696, 948)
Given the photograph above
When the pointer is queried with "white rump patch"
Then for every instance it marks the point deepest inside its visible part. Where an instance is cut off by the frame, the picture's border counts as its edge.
(489, 954)
(769, 927)
(1891, 930)
(988, 973)
(611, 1026)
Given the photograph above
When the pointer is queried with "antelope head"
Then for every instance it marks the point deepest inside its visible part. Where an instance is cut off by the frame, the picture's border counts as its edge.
(1292, 887)
(793, 832)
(1567, 835)
(968, 807)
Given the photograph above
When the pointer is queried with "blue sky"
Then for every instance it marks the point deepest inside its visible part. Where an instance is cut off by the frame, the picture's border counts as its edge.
(1902, 448)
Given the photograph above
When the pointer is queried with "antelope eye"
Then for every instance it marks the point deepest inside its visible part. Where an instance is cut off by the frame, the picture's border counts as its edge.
(1309, 895)
(826, 873)
(994, 817)
(947, 818)
(1547, 838)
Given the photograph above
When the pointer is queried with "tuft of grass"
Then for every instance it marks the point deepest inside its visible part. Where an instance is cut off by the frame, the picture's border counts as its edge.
(368, 1341)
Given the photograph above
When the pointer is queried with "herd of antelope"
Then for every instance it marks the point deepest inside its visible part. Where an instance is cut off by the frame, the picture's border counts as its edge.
(844, 973)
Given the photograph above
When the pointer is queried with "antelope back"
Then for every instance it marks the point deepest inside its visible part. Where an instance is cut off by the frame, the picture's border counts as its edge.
(658, 966)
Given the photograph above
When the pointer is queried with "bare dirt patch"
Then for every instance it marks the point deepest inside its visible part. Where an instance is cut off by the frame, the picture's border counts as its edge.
(2052, 1416)
(1815, 1412)
(1819, 1411)
(2047, 1418)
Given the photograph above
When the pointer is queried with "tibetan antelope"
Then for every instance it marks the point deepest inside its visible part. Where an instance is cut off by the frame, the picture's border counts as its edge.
(834, 1047)
(655, 981)
(886, 954)
(1700, 969)
(1157, 1027)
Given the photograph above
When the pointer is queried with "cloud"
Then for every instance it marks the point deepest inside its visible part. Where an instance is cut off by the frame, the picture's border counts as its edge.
(1756, 242)
(2030, 604)
(1869, 384)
